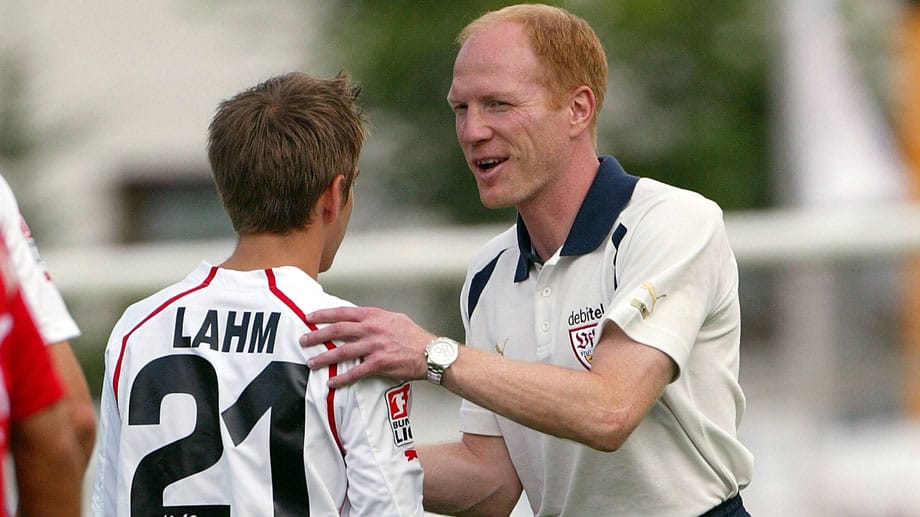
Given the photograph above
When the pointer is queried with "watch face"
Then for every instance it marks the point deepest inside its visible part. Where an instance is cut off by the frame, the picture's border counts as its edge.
(442, 352)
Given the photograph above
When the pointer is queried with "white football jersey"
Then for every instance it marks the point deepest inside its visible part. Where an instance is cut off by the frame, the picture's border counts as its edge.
(209, 409)
(49, 311)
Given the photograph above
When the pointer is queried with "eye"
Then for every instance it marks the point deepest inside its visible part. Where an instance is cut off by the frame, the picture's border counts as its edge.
(496, 104)
(458, 108)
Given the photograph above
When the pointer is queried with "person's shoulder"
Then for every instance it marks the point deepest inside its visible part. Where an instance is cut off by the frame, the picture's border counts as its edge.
(330, 300)
(146, 306)
(664, 213)
(653, 195)
(493, 248)
(306, 292)
(5, 189)
(9, 208)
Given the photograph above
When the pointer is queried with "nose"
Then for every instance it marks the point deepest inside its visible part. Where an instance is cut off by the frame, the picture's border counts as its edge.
(472, 127)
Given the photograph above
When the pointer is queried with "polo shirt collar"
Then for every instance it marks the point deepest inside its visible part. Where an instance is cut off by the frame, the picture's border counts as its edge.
(609, 193)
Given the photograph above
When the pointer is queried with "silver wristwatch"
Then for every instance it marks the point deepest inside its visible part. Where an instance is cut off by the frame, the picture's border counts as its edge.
(441, 353)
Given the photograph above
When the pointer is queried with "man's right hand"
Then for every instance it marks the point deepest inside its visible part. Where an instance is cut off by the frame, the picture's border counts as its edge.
(388, 344)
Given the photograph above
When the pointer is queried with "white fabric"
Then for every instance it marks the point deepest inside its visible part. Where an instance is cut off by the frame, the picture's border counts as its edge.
(674, 265)
(48, 309)
(379, 475)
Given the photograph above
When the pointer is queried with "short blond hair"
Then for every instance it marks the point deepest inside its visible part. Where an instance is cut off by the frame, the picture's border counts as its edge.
(566, 46)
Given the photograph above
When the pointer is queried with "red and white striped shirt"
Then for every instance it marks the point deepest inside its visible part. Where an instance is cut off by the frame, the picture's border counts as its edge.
(28, 383)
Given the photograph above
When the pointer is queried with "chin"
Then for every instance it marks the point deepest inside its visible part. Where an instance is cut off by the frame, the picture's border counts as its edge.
(491, 198)
(493, 202)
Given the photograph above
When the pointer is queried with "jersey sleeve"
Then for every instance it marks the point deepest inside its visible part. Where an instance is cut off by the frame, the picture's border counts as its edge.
(674, 269)
(478, 420)
(475, 419)
(382, 467)
(51, 316)
(31, 382)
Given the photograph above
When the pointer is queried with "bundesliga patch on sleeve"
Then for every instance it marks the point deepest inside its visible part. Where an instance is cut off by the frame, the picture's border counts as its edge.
(399, 404)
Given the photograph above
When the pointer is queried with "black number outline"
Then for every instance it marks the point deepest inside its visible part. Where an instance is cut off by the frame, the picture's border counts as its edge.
(279, 387)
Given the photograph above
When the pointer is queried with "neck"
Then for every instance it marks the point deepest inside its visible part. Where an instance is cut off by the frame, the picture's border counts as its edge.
(300, 249)
(549, 217)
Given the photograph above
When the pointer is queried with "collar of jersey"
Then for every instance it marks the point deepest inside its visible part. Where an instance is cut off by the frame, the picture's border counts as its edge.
(611, 190)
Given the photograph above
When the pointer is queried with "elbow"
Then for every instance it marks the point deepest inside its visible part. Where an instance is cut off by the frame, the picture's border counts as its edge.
(83, 423)
(609, 431)
(79, 417)
(610, 442)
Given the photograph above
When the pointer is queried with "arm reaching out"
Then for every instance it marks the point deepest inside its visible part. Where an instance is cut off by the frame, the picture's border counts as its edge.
(626, 378)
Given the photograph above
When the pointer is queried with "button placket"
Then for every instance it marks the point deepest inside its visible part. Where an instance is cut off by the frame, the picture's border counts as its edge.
(543, 313)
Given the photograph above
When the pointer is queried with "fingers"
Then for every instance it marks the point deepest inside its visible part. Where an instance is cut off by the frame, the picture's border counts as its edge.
(335, 332)
(338, 314)
(341, 354)
(387, 344)
(343, 379)
(369, 363)
(343, 325)
(335, 355)
(398, 364)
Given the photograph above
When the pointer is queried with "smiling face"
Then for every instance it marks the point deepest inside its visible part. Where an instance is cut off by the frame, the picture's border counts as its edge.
(513, 135)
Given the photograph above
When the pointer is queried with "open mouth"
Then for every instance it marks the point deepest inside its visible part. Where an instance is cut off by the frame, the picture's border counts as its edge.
(489, 163)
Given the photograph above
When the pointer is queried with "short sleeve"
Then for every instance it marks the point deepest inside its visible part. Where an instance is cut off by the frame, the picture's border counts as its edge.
(672, 270)
(382, 466)
(52, 318)
(31, 382)
(478, 420)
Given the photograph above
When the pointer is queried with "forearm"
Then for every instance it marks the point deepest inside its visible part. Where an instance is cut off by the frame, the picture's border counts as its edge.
(461, 480)
(77, 400)
(47, 465)
(539, 396)
(598, 408)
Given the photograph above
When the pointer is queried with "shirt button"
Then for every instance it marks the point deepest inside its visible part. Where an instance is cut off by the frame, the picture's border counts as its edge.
(545, 326)
(546, 292)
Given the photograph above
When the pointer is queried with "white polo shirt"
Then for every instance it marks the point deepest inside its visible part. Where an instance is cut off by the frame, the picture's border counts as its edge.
(655, 260)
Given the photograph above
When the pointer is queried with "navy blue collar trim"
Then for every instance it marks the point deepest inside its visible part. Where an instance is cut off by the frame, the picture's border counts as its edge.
(609, 193)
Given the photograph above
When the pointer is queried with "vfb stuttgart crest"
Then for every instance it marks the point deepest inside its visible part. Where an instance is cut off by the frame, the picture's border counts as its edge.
(582, 340)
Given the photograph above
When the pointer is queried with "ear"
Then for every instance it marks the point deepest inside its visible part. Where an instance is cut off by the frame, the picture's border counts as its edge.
(581, 106)
(333, 199)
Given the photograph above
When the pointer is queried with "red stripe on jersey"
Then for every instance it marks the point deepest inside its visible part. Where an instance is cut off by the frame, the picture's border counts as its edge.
(167, 303)
(333, 368)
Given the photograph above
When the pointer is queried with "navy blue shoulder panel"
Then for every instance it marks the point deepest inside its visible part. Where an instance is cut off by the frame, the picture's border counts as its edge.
(616, 239)
(478, 283)
(618, 235)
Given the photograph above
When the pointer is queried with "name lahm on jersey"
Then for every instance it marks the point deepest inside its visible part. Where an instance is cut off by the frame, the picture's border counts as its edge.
(240, 332)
